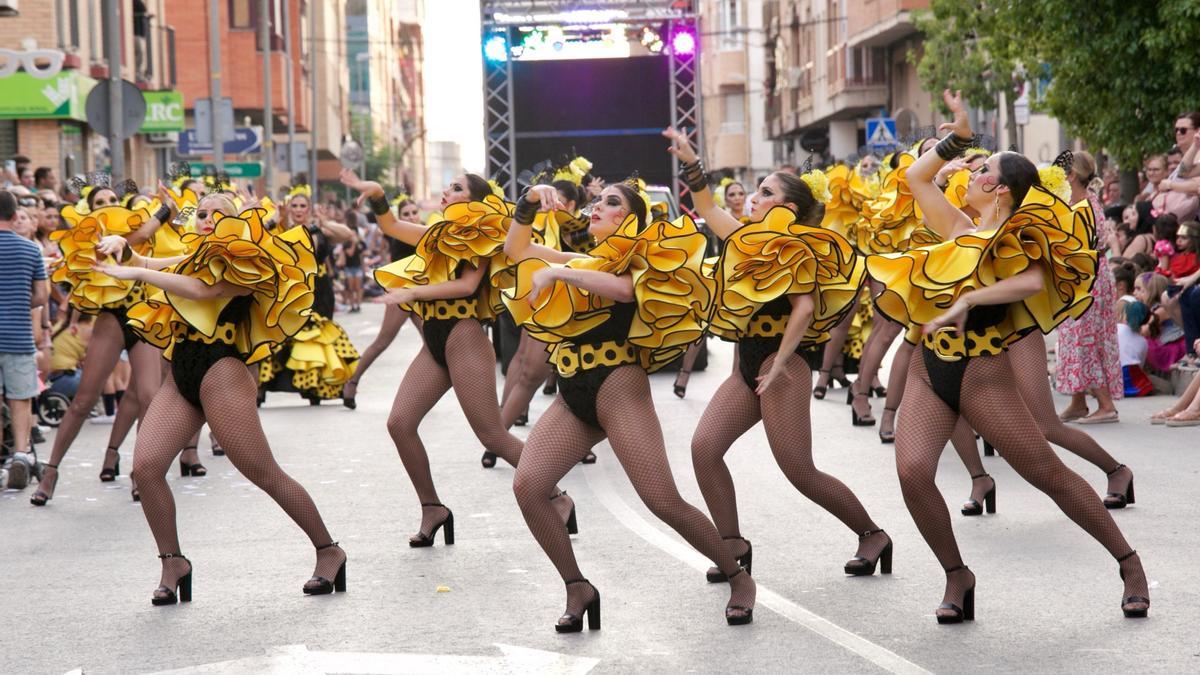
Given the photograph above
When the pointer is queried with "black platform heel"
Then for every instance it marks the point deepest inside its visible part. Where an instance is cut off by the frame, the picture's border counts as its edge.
(109, 474)
(820, 390)
(166, 596)
(859, 566)
(424, 540)
(589, 458)
(1117, 500)
(488, 460)
(351, 401)
(572, 521)
(321, 585)
(878, 392)
(681, 389)
(974, 508)
(854, 418)
(522, 419)
(40, 498)
(574, 623)
(1133, 613)
(745, 561)
(988, 449)
(196, 469)
(888, 437)
(747, 615)
(964, 613)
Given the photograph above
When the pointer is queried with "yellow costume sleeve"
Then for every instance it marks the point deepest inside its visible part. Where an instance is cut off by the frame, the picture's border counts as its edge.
(90, 290)
(922, 283)
(892, 216)
(672, 293)
(763, 261)
(278, 270)
(470, 232)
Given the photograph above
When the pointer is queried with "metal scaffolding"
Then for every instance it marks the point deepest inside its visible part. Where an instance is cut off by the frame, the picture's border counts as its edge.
(498, 16)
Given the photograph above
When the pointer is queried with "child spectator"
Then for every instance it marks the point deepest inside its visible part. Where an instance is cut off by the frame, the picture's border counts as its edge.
(1165, 344)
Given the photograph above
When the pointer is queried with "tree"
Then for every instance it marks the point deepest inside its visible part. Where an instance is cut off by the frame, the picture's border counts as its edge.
(968, 48)
(1119, 72)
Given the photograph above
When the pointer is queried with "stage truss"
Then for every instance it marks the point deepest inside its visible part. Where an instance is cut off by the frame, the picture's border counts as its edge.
(498, 16)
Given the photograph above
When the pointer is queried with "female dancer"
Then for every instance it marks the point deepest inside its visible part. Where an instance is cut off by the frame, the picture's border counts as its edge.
(239, 291)
(98, 215)
(606, 318)
(529, 367)
(445, 284)
(1029, 268)
(318, 360)
(802, 281)
(393, 316)
(734, 204)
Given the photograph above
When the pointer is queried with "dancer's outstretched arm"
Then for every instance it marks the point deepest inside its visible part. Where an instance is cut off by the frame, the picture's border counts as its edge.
(465, 285)
(183, 286)
(409, 233)
(716, 218)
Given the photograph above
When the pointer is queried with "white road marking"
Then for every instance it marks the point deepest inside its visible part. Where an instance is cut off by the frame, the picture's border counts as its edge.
(601, 484)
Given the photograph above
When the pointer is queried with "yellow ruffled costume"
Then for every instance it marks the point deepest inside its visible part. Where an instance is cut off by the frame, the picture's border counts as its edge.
(672, 296)
(469, 232)
(892, 218)
(92, 291)
(776, 257)
(278, 269)
(922, 283)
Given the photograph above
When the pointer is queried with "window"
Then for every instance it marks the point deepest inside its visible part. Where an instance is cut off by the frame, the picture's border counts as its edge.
(729, 23)
(242, 13)
(733, 119)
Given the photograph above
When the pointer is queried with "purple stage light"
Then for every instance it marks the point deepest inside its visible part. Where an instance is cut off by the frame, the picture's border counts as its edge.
(684, 42)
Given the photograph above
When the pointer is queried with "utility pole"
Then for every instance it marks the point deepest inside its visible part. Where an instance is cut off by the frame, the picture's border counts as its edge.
(214, 81)
(112, 47)
(288, 93)
(312, 69)
(268, 152)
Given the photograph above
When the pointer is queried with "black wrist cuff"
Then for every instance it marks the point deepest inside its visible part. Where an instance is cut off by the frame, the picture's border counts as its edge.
(379, 205)
(126, 253)
(163, 213)
(952, 146)
(525, 211)
(693, 176)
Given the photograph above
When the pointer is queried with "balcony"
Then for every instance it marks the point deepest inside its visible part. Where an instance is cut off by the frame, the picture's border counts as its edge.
(874, 23)
(726, 68)
(857, 79)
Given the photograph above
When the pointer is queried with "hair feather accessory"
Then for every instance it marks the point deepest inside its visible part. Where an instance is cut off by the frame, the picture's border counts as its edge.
(299, 191)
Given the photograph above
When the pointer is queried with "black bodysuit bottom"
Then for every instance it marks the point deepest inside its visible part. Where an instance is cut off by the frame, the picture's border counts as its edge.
(190, 362)
(580, 390)
(436, 332)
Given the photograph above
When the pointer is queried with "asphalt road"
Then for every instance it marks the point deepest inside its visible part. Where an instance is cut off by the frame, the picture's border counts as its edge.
(79, 573)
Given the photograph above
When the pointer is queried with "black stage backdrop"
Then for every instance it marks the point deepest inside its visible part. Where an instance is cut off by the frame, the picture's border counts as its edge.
(608, 110)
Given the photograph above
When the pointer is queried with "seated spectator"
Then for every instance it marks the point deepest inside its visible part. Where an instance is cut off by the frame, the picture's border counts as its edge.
(1137, 228)
(1143, 263)
(1165, 344)
(1177, 259)
(1186, 411)
(69, 345)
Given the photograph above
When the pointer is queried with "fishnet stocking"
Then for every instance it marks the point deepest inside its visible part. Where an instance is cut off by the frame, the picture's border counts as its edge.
(1028, 358)
(531, 370)
(994, 407)
(227, 393)
(831, 359)
(558, 441)
(471, 369)
(883, 333)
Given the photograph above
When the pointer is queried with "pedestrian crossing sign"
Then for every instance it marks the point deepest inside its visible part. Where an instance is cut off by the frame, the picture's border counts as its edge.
(881, 133)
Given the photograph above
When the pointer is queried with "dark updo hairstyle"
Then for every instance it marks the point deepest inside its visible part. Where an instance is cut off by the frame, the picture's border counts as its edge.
(1018, 174)
(1125, 273)
(1165, 227)
(571, 191)
(477, 187)
(796, 191)
(636, 204)
(91, 196)
(1143, 262)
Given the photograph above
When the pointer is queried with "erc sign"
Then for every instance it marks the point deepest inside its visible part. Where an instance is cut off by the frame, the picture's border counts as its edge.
(164, 112)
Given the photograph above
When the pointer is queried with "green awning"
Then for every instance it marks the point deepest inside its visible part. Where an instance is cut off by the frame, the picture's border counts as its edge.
(60, 97)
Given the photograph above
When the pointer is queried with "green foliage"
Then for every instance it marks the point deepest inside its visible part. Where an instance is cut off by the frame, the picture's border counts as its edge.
(965, 49)
(1121, 71)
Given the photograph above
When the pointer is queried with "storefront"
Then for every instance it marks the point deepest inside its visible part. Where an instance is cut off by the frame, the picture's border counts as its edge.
(45, 119)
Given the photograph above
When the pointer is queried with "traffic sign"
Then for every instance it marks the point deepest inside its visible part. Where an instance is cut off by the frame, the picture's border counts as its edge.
(234, 169)
(881, 133)
(245, 140)
(133, 108)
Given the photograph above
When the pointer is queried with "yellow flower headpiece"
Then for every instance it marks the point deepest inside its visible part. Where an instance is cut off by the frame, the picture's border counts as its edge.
(1054, 179)
(400, 199)
(300, 191)
(976, 152)
(574, 171)
(496, 189)
(818, 183)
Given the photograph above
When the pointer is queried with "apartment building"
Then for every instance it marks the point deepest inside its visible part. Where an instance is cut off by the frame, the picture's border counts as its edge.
(831, 64)
(385, 55)
(732, 69)
(42, 104)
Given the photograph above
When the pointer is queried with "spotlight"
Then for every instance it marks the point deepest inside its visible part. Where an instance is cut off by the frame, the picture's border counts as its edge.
(683, 43)
(496, 49)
